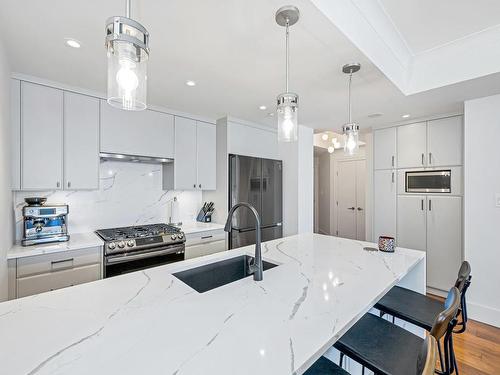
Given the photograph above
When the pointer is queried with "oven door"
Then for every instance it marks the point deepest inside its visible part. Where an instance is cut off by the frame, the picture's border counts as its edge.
(435, 181)
(119, 264)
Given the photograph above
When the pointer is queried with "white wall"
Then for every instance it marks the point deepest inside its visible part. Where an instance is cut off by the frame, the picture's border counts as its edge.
(6, 237)
(129, 194)
(482, 216)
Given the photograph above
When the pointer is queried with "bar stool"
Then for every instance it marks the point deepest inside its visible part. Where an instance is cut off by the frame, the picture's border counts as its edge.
(388, 349)
(425, 365)
(421, 310)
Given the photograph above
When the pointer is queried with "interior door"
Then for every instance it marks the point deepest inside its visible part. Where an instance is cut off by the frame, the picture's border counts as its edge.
(346, 198)
(444, 240)
(360, 199)
(411, 220)
(245, 186)
(272, 192)
(42, 137)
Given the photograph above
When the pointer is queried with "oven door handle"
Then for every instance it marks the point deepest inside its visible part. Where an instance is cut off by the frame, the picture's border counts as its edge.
(121, 258)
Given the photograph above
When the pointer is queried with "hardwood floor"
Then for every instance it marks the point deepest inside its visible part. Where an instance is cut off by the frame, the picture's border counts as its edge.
(477, 349)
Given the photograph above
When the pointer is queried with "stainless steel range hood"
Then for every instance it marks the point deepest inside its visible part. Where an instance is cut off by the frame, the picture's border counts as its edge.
(134, 158)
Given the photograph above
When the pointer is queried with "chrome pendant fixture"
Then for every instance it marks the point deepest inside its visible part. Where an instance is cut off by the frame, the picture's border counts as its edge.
(351, 129)
(127, 45)
(288, 102)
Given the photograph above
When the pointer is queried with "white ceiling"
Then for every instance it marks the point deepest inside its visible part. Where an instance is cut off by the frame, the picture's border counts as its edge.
(235, 53)
(427, 24)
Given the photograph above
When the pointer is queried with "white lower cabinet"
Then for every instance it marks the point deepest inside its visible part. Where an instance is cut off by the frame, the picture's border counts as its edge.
(444, 241)
(433, 224)
(43, 273)
(384, 182)
(205, 243)
(412, 222)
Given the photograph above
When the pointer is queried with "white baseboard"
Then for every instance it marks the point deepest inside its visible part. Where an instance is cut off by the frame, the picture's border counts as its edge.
(483, 314)
(436, 292)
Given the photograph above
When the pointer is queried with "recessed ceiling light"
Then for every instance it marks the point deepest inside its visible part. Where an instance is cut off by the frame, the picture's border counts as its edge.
(324, 137)
(73, 43)
(191, 83)
(262, 107)
(405, 116)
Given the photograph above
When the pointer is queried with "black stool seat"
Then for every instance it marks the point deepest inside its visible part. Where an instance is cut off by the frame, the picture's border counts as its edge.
(324, 366)
(411, 306)
(381, 346)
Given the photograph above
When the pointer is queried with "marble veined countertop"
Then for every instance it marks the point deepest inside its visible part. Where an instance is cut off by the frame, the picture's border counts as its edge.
(149, 322)
(193, 227)
(76, 241)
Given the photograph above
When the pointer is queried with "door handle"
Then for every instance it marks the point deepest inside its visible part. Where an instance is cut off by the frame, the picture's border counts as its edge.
(360, 209)
(351, 208)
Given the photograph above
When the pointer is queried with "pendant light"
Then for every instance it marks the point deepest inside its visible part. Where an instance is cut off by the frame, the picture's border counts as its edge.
(288, 102)
(127, 45)
(351, 129)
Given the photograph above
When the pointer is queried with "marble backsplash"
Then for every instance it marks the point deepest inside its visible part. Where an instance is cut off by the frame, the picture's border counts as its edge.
(129, 194)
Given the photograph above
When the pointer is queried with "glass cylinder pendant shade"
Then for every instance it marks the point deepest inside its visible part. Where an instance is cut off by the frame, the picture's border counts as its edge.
(128, 53)
(351, 138)
(287, 110)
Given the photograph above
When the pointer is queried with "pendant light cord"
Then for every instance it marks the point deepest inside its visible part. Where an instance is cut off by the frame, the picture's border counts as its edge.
(287, 52)
(349, 110)
(127, 8)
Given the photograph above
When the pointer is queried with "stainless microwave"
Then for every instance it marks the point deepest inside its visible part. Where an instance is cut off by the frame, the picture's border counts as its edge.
(431, 181)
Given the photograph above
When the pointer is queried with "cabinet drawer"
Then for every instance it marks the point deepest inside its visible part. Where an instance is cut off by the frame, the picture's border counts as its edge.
(205, 249)
(45, 282)
(205, 237)
(57, 261)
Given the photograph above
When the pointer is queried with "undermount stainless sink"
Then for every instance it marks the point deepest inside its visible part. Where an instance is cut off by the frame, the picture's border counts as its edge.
(214, 275)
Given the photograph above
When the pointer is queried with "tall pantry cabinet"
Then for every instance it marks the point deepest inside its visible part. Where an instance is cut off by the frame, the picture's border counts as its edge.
(430, 222)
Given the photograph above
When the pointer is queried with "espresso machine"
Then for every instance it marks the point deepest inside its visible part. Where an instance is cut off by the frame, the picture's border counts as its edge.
(44, 224)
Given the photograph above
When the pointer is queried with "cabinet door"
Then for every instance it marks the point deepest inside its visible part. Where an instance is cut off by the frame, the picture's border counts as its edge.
(385, 148)
(384, 204)
(81, 142)
(412, 222)
(445, 141)
(444, 241)
(15, 122)
(206, 155)
(412, 145)
(41, 137)
(141, 133)
(205, 249)
(185, 162)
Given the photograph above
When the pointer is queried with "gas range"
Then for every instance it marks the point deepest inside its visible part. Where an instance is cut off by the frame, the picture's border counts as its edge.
(128, 249)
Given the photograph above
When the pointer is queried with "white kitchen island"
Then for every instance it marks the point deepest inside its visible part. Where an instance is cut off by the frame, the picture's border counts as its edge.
(150, 322)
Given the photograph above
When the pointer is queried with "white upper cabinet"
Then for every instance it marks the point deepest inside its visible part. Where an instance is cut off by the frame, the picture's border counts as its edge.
(445, 144)
(385, 148)
(141, 133)
(194, 166)
(412, 145)
(206, 155)
(185, 163)
(81, 142)
(15, 119)
(41, 137)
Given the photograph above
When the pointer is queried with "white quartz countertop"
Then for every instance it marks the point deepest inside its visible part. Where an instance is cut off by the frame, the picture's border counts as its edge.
(194, 227)
(149, 322)
(76, 241)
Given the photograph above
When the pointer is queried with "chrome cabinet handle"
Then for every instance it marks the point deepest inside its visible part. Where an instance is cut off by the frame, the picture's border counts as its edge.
(392, 177)
(206, 237)
(430, 157)
(423, 158)
(392, 160)
(351, 208)
(430, 204)
(58, 184)
(422, 205)
(199, 186)
(69, 184)
(194, 185)
(62, 261)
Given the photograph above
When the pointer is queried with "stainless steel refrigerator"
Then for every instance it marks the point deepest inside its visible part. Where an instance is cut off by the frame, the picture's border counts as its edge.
(258, 182)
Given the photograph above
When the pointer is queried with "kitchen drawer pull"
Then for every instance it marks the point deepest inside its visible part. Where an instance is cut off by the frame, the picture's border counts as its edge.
(62, 261)
(205, 237)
